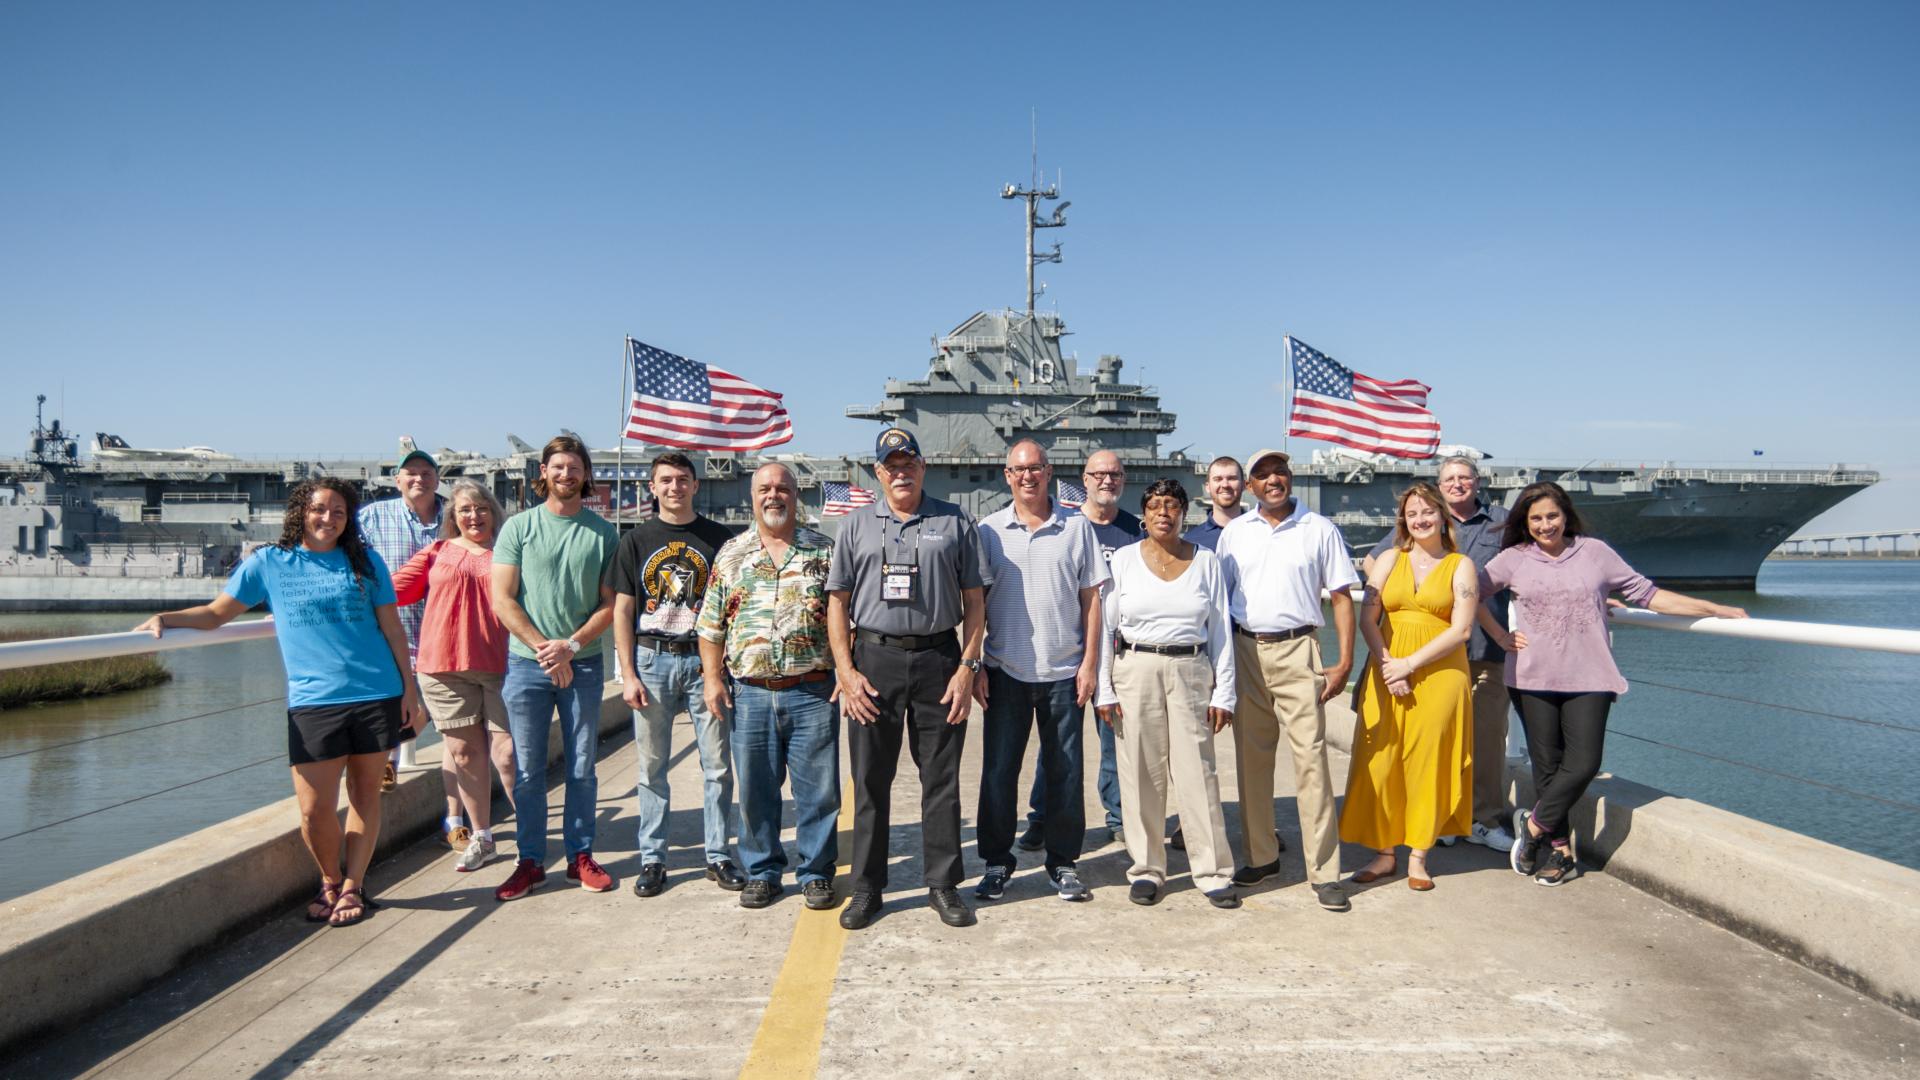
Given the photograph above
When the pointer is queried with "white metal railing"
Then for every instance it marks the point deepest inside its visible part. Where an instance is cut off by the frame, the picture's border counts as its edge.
(19, 654)
(1880, 639)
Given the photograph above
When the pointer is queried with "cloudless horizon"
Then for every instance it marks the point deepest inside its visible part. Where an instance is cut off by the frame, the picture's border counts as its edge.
(1635, 233)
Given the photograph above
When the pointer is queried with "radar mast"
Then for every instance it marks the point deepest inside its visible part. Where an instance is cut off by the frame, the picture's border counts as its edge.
(1033, 193)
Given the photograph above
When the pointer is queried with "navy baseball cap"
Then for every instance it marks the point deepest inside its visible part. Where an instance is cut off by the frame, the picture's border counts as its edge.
(893, 441)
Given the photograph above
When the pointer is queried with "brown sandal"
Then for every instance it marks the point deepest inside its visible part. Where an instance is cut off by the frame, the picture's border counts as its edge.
(324, 900)
(353, 897)
(388, 779)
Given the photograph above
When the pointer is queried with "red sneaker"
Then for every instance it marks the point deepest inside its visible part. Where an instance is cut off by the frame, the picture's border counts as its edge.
(527, 876)
(591, 875)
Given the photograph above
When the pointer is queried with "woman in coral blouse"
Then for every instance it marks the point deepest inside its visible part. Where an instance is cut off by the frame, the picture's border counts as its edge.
(463, 659)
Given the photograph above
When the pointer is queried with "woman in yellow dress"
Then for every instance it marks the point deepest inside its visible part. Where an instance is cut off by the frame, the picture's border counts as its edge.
(1411, 780)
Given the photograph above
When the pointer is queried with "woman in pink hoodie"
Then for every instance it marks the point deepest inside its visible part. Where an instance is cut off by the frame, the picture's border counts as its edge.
(1560, 665)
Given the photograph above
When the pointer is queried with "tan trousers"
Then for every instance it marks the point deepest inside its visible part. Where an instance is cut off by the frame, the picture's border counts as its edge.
(1279, 689)
(1490, 704)
(1163, 730)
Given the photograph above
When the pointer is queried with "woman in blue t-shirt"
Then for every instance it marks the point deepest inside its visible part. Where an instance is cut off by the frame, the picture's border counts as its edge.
(350, 689)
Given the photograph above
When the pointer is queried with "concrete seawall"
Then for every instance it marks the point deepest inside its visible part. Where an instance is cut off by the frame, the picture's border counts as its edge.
(71, 949)
(1849, 916)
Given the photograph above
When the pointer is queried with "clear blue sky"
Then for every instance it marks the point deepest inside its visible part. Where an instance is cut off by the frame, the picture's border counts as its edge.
(1631, 232)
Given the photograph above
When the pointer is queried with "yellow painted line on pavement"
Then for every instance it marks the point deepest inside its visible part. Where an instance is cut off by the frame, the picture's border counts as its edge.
(788, 1042)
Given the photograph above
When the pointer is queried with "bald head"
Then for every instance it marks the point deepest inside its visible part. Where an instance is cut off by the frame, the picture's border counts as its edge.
(776, 496)
(1105, 479)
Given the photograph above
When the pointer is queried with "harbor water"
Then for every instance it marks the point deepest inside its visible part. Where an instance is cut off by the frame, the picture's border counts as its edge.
(1819, 740)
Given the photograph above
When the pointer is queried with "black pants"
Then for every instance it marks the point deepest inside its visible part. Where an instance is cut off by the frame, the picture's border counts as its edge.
(1566, 734)
(910, 685)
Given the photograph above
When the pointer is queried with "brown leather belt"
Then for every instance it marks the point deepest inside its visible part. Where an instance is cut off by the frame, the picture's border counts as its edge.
(911, 643)
(784, 682)
(1270, 639)
(1161, 650)
(676, 646)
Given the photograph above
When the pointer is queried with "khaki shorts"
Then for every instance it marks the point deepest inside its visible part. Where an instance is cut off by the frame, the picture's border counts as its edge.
(460, 699)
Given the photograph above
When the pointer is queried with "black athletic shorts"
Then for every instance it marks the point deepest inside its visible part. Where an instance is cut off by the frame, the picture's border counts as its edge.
(324, 732)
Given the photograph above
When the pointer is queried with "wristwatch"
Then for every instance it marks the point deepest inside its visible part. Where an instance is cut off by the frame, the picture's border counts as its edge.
(573, 646)
(972, 665)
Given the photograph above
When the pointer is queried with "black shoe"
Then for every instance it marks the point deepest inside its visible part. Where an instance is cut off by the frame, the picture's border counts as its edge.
(651, 880)
(818, 894)
(1526, 846)
(953, 910)
(759, 894)
(1178, 841)
(1224, 898)
(1558, 869)
(993, 884)
(1254, 875)
(860, 910)
(1033, 839)
(727, 875)
(1332, 897)
(1143, 892)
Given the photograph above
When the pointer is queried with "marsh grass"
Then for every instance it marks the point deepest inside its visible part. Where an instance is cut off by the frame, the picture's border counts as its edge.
(82, 678)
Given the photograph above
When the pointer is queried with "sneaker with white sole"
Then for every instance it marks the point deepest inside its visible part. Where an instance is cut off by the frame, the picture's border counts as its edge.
(479, 853)
(1449, 841)
(1071, 888)
(1496, 838)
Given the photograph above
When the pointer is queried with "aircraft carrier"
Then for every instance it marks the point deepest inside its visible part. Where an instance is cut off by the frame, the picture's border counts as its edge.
(998, 377)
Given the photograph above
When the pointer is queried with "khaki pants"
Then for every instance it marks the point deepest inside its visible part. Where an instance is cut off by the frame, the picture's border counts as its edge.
(1490, 703)
(1279, 690)
(1163, 730)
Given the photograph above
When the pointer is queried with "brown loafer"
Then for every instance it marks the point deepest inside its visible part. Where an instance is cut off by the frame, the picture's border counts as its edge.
(1419, 884)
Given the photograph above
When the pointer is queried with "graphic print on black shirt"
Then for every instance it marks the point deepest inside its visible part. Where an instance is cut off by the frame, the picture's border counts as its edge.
(665, 568)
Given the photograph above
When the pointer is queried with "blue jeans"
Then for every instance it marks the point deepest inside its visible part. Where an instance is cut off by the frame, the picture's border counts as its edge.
(673, 685)
(1013, 707)
(1109, 785)
(531, 701)
(776, 734)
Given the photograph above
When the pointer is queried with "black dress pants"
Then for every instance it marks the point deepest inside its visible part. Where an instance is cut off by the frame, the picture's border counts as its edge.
(910, 685)
(1566, 734)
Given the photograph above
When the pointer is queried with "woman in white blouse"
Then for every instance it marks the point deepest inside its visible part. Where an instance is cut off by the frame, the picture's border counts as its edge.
(1166, 687)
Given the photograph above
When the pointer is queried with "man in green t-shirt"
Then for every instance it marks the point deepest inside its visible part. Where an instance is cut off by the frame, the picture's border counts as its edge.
(548, 591)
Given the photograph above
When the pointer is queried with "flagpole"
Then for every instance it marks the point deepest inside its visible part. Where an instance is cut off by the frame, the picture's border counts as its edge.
(620, 447)
(1286, 365)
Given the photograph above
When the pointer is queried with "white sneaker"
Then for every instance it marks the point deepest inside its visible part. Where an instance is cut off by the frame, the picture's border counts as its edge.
(479, 852)
(1496, 838)
(1448, 841)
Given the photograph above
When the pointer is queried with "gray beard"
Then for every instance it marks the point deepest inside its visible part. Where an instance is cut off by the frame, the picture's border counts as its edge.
(775, 519)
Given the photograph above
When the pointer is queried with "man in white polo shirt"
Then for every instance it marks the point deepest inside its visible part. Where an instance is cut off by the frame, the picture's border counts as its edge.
(1278, 559)
(1043, 661)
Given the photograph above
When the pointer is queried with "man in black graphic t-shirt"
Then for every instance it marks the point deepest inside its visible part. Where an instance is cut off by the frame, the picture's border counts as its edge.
(659, 575)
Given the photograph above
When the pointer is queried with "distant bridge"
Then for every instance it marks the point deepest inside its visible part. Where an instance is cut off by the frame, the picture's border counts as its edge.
(1879, 543)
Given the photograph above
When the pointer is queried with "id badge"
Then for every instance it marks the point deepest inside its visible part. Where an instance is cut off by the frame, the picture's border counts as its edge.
(899, 582)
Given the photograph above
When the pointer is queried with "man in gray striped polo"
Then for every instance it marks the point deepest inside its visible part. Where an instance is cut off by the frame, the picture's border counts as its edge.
(1043, 633)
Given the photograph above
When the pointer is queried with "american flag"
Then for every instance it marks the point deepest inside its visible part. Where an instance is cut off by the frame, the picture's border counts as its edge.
(1339, 405)
(842, 498)
(695, 406)
(1070, 495)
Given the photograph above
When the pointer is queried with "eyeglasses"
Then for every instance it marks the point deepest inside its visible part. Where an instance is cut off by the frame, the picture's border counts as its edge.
(1114, 477)
(1027, 470)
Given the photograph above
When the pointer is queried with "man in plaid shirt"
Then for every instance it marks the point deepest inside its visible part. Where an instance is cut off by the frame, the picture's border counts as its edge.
(396, 529)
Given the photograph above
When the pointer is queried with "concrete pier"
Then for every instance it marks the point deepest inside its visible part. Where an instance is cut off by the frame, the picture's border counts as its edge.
(1489, 975)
